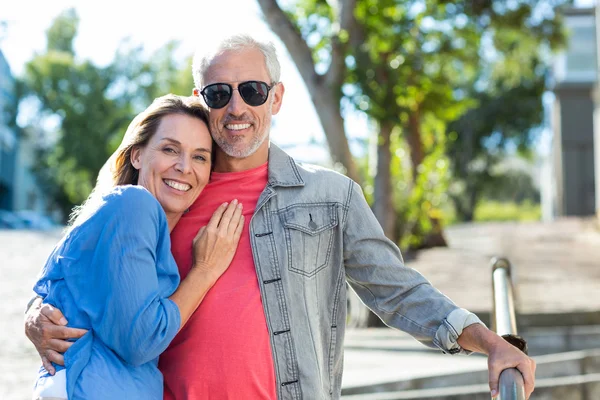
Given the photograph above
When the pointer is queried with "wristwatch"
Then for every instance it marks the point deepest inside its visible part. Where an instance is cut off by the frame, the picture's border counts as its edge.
(516, 341)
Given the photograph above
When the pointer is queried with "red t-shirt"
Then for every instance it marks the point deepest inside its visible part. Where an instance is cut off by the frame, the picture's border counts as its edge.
(224, 351)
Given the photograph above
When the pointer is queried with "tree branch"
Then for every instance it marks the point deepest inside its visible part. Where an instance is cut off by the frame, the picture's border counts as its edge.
(292, 39)
(335, 74)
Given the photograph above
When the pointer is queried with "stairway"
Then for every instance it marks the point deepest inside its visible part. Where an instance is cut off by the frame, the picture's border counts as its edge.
(561, 374)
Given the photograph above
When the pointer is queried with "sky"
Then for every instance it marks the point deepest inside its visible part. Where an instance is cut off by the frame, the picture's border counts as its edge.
(104, 24)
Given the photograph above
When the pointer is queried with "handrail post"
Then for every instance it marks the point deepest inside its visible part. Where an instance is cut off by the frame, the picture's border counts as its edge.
(504, 322)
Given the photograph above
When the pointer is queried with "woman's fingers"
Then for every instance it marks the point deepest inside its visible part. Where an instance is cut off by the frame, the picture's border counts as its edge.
(235, 220)
(238, 229)
(216, 243)
(227, 215)
(216, 217)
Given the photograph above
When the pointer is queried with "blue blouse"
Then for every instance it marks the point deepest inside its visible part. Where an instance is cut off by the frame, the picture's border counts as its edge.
(113, 275)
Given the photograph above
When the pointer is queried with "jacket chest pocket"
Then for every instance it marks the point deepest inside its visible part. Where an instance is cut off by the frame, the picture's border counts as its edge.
(309, 231)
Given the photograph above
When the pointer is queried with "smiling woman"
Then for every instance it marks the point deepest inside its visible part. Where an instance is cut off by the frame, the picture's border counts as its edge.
(175, 164)
(113, 275)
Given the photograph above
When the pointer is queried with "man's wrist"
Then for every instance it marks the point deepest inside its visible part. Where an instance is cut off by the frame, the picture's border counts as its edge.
(477, 338)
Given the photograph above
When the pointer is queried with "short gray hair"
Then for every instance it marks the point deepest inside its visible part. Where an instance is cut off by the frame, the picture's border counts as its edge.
(232, 43)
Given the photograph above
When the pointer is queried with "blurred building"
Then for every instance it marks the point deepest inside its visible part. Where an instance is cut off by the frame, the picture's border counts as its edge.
(573, 168)
(19, 189)
(8, 138)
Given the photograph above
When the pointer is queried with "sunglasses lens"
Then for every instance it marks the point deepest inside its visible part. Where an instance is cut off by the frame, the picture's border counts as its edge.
(254, 93)
(217, 95)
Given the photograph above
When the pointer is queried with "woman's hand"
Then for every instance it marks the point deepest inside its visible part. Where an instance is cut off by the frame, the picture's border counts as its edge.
(216, 243)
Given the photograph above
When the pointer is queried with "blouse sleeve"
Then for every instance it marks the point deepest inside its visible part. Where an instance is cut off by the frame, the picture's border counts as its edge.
(116, 284)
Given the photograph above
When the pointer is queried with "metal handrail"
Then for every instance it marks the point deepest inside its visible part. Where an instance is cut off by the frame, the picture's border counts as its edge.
(504, 322)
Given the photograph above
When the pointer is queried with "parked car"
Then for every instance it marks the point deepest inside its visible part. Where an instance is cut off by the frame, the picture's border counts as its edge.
(36, 221)
(10, 220)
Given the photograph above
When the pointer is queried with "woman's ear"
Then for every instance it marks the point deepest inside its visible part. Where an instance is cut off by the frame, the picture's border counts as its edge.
(136, 153)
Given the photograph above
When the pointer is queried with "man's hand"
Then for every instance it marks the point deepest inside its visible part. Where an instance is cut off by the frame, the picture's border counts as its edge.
(46, 327)
(501, 355)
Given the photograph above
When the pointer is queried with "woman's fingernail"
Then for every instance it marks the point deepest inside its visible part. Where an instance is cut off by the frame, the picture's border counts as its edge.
(240, 205)
(62, 321)
(235, 201)
(494, 393)
(225, 204)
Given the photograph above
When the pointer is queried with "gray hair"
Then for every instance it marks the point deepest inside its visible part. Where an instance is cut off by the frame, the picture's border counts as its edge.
(233, 43)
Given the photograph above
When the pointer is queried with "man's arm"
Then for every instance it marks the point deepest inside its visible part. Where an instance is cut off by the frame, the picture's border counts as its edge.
(501, 355)
(405, 300)
(400, 296)
(46, 327)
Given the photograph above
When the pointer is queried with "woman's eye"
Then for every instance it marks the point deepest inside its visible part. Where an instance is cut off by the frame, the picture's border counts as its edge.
(199, 158)
(169, 150)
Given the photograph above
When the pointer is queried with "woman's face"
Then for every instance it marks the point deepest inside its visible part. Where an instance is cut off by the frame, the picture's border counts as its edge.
(175, 164)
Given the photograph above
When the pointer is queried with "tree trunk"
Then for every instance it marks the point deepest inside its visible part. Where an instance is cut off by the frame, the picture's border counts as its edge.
(435, 238)
(417, 155)
(327, 105)
(464, 203)
(383, 207)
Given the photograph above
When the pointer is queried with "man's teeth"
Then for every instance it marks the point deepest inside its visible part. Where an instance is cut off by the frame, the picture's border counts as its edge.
(184, 187)
(237, 127)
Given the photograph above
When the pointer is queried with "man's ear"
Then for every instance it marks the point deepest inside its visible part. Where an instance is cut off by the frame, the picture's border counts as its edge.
(278, 91)
(135, 158)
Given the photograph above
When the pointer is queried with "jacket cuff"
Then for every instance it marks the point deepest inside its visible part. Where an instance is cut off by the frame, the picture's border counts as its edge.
(447, 334)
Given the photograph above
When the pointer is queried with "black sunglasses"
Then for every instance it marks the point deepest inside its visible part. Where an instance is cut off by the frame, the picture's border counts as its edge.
(217, 95)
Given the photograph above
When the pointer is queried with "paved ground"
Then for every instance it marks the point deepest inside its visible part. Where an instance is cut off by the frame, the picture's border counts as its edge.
(22, 255)
(379, 355)
(557, 271)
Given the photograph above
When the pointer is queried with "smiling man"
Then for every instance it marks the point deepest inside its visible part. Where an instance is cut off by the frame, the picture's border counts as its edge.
(273, 325)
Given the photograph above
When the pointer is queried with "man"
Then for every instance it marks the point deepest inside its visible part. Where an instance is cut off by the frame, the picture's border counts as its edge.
(273, 325)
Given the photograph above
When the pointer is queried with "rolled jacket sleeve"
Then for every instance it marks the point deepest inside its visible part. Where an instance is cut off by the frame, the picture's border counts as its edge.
(399, 295)
(446, 337)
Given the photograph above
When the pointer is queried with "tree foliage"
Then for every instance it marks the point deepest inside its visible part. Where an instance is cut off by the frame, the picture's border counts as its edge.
(440, 79)
(84, 109)
(508, 90)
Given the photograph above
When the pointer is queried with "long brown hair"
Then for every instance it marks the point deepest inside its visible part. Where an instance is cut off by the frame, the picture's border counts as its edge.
(118, 169)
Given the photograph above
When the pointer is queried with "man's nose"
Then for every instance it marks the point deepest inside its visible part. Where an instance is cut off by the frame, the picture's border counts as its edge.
(236, 103)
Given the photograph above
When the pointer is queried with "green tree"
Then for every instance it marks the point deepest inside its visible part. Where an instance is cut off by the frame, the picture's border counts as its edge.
(412, 66)
(508, 91)
(84, 109)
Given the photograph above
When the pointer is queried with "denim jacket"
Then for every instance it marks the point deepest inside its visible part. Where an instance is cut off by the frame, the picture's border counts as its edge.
(312, 232)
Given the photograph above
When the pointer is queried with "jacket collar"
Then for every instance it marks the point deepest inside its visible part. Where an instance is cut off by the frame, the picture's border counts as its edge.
(283, 170)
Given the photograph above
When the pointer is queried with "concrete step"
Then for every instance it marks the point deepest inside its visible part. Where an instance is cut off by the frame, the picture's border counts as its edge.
(540, 340)
(562, 339)
(579, 387)
(549, 367)
(383, 359)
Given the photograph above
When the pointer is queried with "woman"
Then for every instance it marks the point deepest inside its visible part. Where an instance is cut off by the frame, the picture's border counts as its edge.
(113, 272)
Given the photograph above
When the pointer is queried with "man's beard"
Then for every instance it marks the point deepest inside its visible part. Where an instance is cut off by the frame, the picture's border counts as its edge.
(236, 150)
